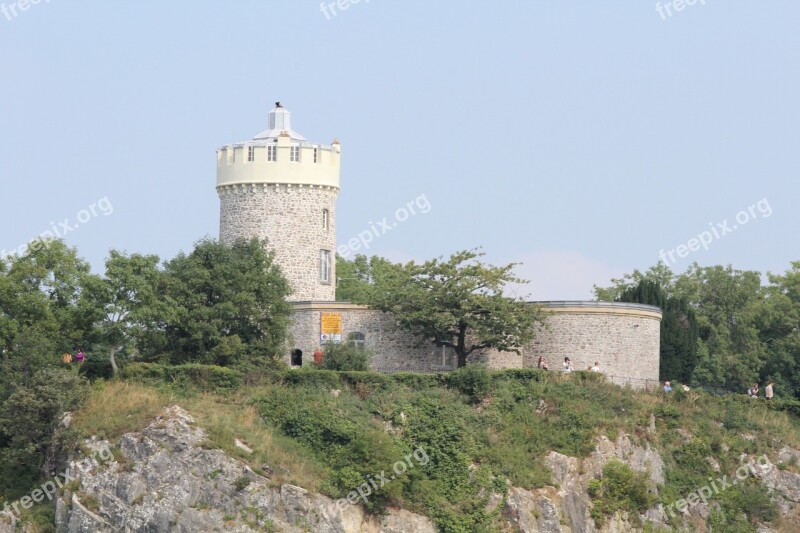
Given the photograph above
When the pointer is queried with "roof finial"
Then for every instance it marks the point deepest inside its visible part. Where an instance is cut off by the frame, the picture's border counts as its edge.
(278, 104)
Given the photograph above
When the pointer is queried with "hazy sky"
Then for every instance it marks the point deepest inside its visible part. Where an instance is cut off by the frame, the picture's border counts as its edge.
(581, 138)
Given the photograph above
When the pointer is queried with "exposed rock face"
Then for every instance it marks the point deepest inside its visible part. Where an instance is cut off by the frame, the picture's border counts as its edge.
(566, 509)
(170, 483)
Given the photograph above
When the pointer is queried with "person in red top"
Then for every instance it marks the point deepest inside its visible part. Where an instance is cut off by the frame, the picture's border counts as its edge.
(318, 357)
(80, 357)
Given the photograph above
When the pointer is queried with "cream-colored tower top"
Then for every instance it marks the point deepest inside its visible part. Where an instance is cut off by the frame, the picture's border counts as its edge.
(279, 155)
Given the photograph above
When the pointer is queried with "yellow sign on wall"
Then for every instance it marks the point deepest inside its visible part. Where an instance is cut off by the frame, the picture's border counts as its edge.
(331, 328)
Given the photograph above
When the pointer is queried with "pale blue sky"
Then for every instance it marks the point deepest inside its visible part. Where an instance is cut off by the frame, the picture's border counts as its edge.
(579, 137)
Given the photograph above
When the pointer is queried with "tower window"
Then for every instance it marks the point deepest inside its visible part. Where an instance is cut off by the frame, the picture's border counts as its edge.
(272, 153)
(295, 154)
(316, 155)
(233, 155)
(251, 153)
(325, 217)
(325, 266)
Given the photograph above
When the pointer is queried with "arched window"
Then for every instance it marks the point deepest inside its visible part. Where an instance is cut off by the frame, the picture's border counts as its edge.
(357, 339)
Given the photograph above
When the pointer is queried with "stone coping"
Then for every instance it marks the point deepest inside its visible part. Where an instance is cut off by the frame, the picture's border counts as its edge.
(553, 306)
(608, 308)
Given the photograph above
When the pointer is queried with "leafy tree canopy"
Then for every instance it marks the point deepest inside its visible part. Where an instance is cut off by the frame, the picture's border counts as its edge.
(458, 302)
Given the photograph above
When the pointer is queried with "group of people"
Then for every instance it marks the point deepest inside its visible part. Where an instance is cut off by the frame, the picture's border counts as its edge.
(79, 357)
(768, 392)
(566, 366)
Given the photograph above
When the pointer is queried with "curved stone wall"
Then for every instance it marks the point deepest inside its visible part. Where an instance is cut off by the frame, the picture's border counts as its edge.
(291, 218)
(623, 338)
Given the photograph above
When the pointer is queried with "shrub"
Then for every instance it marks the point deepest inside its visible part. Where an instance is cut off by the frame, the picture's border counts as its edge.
(341, 433)
(309, 376)
(152, 373)
(669, 413)
(204, 377)
(345, 356)
(619, 489)
(241, 483)
(417, 381)
(472, 380)
(750, 499)
(521, 374)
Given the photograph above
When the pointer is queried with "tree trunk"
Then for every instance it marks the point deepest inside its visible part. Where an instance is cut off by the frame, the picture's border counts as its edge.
(112, 357)
(461, 349)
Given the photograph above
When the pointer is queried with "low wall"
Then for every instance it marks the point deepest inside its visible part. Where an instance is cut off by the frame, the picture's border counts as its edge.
(623, 338)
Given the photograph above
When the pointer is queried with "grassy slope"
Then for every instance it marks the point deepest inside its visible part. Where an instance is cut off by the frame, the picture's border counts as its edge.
(477, 433)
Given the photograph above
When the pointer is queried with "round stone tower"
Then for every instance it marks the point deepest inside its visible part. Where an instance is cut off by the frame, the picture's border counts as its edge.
(283, 188)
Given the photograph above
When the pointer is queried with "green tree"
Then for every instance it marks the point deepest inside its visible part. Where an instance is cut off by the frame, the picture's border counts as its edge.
(660, 274)
(679, 330)
(355, 277)
(43, 312)
(29, 416)
(779, 326)
(727, 302)
(230, 302)
(129, 302)
(458, 303)
(42, 297)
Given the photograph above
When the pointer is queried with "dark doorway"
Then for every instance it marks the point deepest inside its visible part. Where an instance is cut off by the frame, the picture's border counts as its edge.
(297, 357)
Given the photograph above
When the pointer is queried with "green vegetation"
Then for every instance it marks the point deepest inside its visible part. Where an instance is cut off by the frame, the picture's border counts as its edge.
(219, 304)
(748, 332)
(477, 428)
(619, 489)
(346, 356)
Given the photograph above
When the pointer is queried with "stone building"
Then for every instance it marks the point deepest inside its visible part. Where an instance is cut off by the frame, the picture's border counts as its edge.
(283, 188)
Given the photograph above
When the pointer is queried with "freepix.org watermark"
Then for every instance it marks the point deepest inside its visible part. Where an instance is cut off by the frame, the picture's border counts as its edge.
(374, 483)
(58, 231)
(667, 9)
(50, 488)
(377, 229)
(720, 484)
(329, 8)
(716, 231)
(13, 9)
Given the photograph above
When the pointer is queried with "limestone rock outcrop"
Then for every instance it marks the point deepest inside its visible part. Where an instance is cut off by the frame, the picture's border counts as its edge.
(164, 480)
(566, 509)
(169, 482)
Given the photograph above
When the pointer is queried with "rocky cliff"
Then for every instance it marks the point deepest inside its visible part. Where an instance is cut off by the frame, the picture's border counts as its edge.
(162, 479)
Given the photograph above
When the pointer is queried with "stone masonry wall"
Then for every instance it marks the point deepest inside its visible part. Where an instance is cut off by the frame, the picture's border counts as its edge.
(625, 342)
(394, 349)
(626, 346)
(290, 217)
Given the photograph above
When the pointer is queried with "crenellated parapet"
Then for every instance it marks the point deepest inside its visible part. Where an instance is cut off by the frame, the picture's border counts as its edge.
(280, 160)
